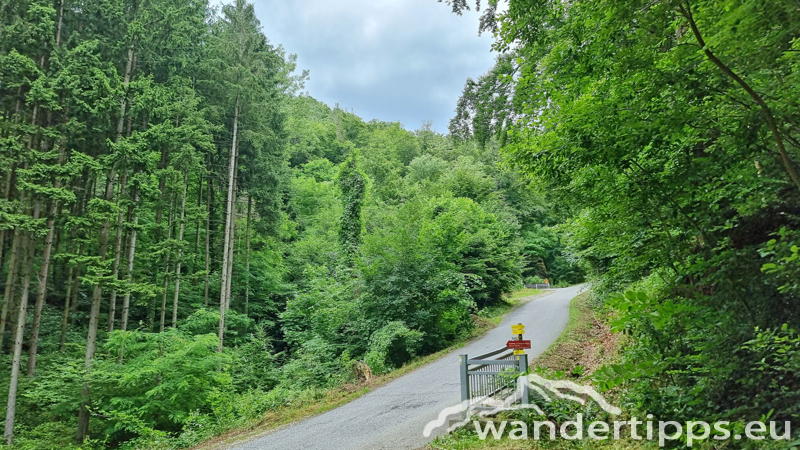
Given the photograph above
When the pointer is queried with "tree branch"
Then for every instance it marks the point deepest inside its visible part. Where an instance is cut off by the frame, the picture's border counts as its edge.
(787, 162)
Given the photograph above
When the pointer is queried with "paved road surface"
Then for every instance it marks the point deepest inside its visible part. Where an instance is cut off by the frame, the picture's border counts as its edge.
(393, 416)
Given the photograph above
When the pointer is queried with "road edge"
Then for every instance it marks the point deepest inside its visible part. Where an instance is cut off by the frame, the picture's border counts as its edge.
(244, 435)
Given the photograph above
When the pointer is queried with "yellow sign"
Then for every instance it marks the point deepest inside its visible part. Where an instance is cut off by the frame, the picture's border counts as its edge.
(519, 352)
(518, 328)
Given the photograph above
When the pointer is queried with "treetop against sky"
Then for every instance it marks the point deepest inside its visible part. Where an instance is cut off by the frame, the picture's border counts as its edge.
(391, 60)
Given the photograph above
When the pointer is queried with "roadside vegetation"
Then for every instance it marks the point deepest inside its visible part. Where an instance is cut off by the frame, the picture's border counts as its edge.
(668, 132)
(586, 345)
(249, 428)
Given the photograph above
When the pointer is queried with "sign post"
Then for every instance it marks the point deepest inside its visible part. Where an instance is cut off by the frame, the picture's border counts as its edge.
(517, 344)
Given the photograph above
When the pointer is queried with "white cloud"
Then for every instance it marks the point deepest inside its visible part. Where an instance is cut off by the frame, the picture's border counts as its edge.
(393, 60)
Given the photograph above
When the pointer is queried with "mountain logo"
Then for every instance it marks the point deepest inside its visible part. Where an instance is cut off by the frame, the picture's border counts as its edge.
(547, 390)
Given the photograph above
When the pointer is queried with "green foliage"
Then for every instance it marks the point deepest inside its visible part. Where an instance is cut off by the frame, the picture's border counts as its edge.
(352, 184)
(784, 251)
(774, 376)
(408, 275)
(664, 132)
(354, 242)
(486, 107)
(426, 168)
(476, 242)
(534, 280)
(391, 346)
(238, 327)
(255, 366)
(313, 133)
(315, 364)
(166, 377)
(325, 310)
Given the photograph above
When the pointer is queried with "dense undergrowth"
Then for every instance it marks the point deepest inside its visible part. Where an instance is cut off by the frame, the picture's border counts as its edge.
(669, 131)
(216, 406)
(588, 353)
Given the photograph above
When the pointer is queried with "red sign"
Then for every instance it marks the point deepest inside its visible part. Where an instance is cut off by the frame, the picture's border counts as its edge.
(518, 345)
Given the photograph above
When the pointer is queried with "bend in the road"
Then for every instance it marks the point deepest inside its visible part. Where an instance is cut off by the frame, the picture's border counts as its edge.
(393, 416)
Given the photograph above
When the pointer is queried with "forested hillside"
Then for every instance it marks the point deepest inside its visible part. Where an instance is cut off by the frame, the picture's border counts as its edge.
(187, 240)
(669, 131)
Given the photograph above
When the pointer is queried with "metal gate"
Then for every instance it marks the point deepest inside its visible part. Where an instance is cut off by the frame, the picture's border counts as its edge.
(493, 375)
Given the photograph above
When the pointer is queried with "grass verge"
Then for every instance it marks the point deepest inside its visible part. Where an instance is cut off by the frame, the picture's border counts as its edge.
(585, 345)
(272, 421)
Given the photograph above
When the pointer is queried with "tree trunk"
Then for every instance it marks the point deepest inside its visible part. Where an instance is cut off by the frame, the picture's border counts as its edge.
(151, 312)
(18, 232)
(60, 22)
(94, 317)
(131, 256)
(65, 316)
(765, 109)
(199, 223)
(73, 306)
(126, 300)
(41, 292)
(180, 252)
(7, 196)
(112, 302)
(232, 243)
(57, 268)
(19, 332)
(247, 256)
(228, 211)
(229, 266)
(80, 209)
(162, 185)
(2, 246)
(166, 266)
(9, 289)
(44, 270)
(112, 305)
(208, 240)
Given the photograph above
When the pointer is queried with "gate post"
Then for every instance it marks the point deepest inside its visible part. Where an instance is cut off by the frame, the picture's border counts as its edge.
(464, 381)
(523, 368)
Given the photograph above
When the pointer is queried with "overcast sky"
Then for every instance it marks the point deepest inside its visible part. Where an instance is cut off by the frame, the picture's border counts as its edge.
(392, 60)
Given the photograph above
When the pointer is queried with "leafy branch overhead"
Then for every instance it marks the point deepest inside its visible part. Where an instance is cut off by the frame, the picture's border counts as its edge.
(668, 133)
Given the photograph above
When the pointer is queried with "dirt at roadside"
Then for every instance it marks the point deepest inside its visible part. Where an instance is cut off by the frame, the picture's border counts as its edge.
(587, 342)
